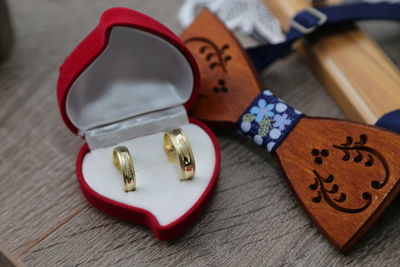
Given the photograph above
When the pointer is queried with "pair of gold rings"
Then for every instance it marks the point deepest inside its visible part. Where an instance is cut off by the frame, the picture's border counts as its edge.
(177, 148)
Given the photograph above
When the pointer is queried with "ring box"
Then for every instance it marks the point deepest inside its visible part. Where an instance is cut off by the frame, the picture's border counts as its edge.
(126, 83)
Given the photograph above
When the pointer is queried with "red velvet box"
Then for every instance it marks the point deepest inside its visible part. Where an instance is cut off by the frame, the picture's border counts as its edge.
(126, 83)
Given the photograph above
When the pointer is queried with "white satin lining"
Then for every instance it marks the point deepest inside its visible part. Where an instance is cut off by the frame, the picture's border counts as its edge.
(137, 73)
(141, 125)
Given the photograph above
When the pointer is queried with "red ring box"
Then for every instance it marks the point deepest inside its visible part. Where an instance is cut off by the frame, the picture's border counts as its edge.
(126, 83)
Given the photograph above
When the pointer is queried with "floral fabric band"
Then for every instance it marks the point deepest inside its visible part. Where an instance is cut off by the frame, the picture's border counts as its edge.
(268, 120)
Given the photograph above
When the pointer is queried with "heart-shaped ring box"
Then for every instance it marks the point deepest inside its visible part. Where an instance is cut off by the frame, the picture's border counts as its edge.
(126, 83)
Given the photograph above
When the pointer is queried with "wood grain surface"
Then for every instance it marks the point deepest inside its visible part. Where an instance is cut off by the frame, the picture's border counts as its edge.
(253, 220)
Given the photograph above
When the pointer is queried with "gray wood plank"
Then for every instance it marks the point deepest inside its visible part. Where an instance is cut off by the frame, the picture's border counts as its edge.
(253, 218)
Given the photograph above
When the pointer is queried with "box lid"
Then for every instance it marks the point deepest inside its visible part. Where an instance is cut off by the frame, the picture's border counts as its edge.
(129, 65)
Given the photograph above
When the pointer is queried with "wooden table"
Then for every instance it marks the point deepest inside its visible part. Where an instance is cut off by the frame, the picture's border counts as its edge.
(253, 218)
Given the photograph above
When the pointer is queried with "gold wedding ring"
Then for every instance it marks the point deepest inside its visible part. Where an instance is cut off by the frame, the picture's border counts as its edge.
(178, 149)
(123, 162)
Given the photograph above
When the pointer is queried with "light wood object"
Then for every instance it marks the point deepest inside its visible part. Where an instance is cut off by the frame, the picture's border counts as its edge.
(361, 78)
(253, 220)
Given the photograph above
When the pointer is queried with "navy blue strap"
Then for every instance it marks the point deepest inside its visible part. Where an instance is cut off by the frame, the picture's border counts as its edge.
(390, 121)
(310, 19)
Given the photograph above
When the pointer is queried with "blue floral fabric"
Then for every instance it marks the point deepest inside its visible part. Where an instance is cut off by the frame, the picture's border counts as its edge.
(268, 120)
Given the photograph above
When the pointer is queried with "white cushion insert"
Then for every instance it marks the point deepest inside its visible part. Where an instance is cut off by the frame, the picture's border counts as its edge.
(159, 189)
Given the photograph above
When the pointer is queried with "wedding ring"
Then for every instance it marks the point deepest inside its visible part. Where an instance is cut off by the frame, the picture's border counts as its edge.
(123, 162)
(178, 149)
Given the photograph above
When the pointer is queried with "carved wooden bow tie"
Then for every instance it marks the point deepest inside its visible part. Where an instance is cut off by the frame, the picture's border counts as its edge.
(343, 173)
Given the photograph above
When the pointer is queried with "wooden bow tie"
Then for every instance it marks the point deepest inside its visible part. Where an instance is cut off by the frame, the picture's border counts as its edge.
(344, 174)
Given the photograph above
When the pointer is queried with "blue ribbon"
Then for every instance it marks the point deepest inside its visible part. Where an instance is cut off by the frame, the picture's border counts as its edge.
(308, 20)
(268, 120)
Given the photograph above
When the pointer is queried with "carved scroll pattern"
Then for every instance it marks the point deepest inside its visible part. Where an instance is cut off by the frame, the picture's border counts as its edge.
(360, 153)
(217, 57)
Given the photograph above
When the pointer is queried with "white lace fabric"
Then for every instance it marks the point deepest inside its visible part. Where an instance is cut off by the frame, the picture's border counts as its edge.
(250, 17)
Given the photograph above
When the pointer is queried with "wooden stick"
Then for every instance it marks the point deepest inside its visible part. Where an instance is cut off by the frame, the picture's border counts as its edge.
(361, 78)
